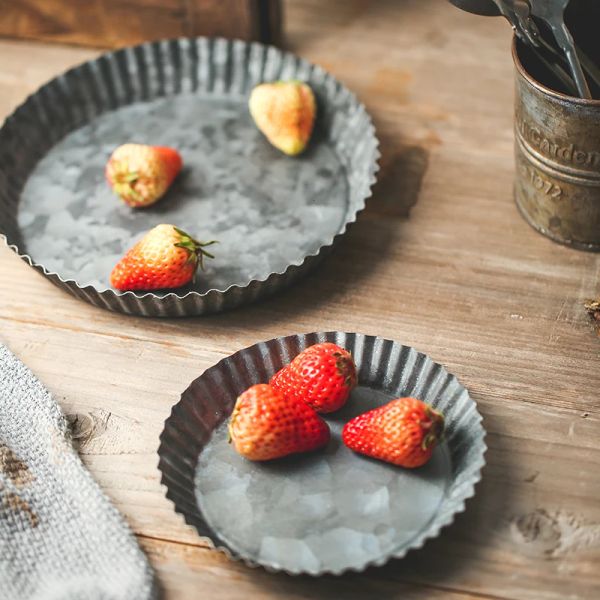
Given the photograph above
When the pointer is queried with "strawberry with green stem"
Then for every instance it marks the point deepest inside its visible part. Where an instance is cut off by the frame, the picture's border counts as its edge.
(166, 257)
(403, 432)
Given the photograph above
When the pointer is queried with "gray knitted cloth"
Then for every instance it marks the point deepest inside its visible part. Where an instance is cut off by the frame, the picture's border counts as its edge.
(60, 537)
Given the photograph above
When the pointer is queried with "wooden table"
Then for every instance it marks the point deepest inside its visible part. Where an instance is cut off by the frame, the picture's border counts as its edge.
(440, 260)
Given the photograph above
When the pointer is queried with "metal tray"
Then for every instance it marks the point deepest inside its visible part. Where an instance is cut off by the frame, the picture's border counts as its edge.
(273, 215)
(329, 511)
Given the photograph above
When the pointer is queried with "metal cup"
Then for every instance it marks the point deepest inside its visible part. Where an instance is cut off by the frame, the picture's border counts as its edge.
(557, 150)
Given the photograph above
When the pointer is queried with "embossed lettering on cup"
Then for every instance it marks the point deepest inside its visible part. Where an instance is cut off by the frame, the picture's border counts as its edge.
(557, 150)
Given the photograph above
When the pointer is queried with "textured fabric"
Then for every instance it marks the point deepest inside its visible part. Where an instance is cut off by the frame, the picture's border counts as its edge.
(60, 537)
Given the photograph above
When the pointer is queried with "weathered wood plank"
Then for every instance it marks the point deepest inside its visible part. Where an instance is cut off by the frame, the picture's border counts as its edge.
(188, 571)
(25, 66)
(114, 23)
(535, 508)
(440, 260)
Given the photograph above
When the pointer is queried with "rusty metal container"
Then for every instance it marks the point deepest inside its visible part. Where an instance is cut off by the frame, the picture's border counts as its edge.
(557, 149)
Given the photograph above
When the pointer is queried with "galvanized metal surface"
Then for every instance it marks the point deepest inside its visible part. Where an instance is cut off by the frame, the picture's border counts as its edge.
(274, 216)
(329, 511)
(557, 150)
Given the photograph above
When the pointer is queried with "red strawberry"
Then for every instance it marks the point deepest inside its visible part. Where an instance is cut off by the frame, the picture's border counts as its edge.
(403, 432)
(165, 257)
(285, 112)
(322, 376)
(141, 174)
(265, 425)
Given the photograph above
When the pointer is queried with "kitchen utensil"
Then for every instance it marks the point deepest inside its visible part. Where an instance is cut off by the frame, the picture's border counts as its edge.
(552, 13)
(518, 13)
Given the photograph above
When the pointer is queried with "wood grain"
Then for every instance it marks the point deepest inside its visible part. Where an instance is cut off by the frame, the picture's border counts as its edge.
(440, 260)
(116, 23)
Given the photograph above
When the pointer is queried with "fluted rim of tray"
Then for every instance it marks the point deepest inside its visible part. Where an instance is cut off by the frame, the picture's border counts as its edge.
(185, 434)
(112, 79)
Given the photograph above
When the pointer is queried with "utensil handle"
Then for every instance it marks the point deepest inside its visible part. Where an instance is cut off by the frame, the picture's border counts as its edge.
(565, 41)
(562, 75)
(591, 70)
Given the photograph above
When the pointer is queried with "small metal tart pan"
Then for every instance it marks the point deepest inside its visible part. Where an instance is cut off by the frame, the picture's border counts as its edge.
(332, 510)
